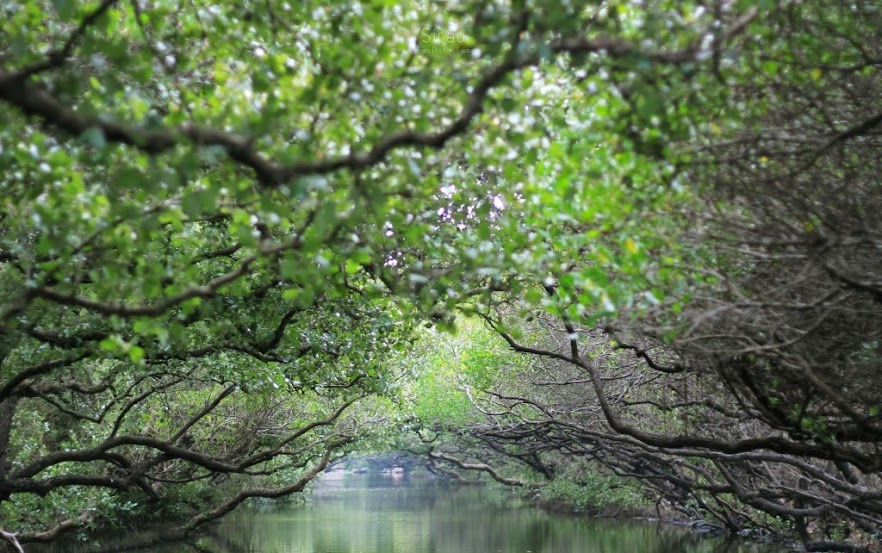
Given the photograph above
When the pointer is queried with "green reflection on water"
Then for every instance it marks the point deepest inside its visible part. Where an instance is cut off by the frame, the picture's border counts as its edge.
(382, 514)
(379, 514)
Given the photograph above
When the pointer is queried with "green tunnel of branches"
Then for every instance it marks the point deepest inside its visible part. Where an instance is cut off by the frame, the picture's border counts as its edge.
(541, 243)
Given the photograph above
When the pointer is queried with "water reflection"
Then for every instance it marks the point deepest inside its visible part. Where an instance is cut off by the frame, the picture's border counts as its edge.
(377, 514)
(363, 513)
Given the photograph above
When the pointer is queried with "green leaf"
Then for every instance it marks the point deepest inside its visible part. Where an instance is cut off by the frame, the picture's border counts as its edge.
(94, 137)
(352, 266)
(291, 294)
(111, 343)
(66, 9)
(136, 354)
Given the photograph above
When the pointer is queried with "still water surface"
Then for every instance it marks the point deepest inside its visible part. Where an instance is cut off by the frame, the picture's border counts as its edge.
(381, 514)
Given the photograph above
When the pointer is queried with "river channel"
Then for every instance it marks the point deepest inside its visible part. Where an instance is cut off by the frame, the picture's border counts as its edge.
(373, 513)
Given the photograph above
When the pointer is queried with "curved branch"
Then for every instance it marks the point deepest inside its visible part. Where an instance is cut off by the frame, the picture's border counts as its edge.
(62, 527)
(205, 291)
(12, 539)
(9, 386)
(56, 58)
(483, 467)
(248, 493)
(36, 101)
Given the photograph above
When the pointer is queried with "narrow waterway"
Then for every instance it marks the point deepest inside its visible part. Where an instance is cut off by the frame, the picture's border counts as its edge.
(385, 514)
(374, 513)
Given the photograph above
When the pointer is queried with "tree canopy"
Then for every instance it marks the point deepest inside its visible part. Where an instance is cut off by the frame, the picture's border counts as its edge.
(224, 225)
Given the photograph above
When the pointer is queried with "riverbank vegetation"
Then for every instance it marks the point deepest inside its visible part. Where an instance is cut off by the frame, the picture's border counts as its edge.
(562, 245)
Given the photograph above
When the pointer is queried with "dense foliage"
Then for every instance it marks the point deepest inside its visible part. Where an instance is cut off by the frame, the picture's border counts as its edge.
(223, 223)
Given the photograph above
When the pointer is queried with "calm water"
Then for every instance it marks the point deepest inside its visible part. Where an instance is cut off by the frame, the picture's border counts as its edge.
(379, 514)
